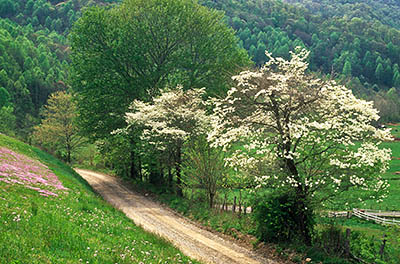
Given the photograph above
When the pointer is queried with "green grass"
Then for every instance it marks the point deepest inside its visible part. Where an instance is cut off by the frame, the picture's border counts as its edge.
(75, 227)
(392, 202)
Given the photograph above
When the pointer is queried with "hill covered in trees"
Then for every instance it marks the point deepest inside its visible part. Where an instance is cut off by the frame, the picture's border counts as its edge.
(34, 57)
(385, 11)
(358, 49)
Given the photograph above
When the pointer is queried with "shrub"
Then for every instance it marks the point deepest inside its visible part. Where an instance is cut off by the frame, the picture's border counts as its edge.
(277, 218)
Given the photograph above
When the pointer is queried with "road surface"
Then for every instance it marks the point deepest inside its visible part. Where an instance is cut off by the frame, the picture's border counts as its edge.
(193, 241)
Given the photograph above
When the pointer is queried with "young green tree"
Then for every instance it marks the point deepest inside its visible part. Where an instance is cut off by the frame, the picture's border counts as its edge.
(203, 167)
(7, 124)
(396, 79)
(4, 97)
(301, 135)
(347, 68)
(58, 130)
(380, 73)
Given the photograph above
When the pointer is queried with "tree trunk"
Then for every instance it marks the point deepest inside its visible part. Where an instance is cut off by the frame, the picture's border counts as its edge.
(382, 249)
(68, 156)
(304, 219)
(211, 201)
(301, 195)
(68, 153)
(140, 169)
(169, 176)
(178, 162)
(133, 171)
(347, 243)
(240, 202)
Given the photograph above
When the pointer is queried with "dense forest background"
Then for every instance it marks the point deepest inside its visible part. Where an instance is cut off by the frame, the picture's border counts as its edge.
(356, 42)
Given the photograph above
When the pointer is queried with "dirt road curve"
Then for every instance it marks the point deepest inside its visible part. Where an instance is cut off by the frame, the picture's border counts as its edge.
(190, 239)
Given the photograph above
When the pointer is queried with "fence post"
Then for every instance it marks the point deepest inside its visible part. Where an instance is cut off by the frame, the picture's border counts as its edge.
(240, 202)
(347, 243)
(349, 213)
(382, 246)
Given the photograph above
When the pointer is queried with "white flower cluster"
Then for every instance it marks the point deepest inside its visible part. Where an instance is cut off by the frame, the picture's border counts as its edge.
(297, 130)
(172, 117)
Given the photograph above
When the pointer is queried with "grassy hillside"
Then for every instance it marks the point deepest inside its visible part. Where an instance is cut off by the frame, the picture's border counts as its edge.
(53, 216)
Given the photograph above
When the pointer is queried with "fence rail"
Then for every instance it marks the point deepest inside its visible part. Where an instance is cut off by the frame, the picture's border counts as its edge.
(372, 216)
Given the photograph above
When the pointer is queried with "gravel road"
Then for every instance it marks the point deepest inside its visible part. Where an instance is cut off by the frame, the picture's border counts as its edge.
(193, 241)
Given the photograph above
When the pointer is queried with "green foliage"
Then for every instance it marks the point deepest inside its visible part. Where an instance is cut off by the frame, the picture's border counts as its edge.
(198, 209)
(48, 15)
(331, 239)
(7, 124)
(347, 68)
(4, 97)
(115, 152)
(7, 8)
(384, 11)
(203, 167)
(141, 46)
(29, 70)
(34, 54)
(58, 130)
(277, 217)
(368, 247)
(345, 37)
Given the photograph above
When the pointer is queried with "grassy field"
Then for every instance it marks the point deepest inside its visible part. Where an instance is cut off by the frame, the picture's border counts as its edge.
(392, 202)
(65, 221)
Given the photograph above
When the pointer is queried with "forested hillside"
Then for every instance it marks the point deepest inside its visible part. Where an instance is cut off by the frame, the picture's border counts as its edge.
(385, 11)
(363, 52)
(33, 57)
(32, 65)
(57, 15)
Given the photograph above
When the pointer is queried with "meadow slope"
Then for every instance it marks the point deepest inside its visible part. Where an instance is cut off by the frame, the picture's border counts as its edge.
(49, 214)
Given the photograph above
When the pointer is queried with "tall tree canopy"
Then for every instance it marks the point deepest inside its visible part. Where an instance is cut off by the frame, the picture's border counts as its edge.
(132, 50)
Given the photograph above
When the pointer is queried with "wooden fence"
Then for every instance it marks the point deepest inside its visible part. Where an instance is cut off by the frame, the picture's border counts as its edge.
(372, 215)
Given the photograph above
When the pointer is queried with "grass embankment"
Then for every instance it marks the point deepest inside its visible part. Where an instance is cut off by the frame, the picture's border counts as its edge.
(41, 222)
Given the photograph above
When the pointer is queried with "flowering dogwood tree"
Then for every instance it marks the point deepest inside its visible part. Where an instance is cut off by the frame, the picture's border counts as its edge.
(300, 133)
(171, 119)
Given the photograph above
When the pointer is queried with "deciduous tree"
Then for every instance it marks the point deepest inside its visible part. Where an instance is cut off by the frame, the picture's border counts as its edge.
(58, 130)
(301, 134)
(130, 51)
(170, 120)
(204, 168)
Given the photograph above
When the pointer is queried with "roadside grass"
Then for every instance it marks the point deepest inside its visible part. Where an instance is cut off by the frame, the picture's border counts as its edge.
(74, 227)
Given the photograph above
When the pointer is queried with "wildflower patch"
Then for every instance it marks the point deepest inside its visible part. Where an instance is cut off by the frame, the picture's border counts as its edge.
(19, 169)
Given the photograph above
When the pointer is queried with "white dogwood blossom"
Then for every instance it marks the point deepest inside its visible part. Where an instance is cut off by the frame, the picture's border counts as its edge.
(169, 121)
(294, 130)
(171, 118)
